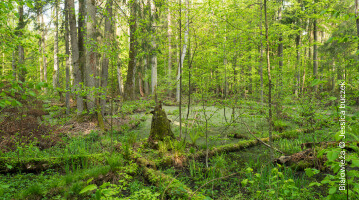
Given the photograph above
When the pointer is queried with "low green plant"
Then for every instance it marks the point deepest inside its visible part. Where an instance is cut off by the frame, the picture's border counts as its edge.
(337, 187)
(145, 194)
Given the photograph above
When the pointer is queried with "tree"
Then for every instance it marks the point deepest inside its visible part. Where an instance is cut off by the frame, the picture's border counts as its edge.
(154, 50)
(75, 56)
(106, 55)
(55, 77)
(81, 46)
(269, 81)
(67, 52)
(21, 54)
(129, 86)
(91, 55)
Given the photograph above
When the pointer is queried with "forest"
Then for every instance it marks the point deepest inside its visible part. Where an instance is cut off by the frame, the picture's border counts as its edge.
(179, 99)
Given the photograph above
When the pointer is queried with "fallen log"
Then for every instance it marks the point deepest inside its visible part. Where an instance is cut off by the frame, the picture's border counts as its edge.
(350, 146)
(12, 165)
(302, 160)
(173, 186)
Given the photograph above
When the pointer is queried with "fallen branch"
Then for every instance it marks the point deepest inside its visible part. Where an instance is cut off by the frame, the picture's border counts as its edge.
(265, 144)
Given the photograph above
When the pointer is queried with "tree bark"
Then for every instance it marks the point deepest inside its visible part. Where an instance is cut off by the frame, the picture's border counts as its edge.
(169, 50)
(261, 55)
(315, 53)
(280, 57)
(75, 56)
(20, 64)
(40, 43)
(269, 82)
(357, 19)
(297, 86)
(154, 50)
(91, 54)
(43, 44)
(119, 78)
(105, 60)
(81, 35)
(129, 92)
(183, 54)
(55, 78)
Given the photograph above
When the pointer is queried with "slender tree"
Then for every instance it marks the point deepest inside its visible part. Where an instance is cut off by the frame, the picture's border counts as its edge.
(91, 54)
(21, 54)
(106, 55)
(269, 81)
(129, 91)
(154, 49)
(55, 77)
(75, 56)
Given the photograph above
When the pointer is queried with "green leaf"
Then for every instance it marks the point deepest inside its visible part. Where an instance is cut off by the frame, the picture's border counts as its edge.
(89, 188)
(32, 93)
(355, 163)
(29, 4)
(338, 136)
(332, 155)
(330, 40)
(88, 181)
(315, 82)
(332, 98)
(332, 190)
(311, 172)
(323, 12)
(244, 182)
(314, 184)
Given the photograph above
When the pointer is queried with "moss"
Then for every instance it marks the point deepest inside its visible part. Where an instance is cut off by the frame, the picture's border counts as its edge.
(301, 165)
(160, 127)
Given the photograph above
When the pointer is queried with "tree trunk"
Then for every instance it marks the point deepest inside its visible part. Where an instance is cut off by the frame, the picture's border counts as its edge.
(280, 57)
(160, 126)
(55, 78)
(20, 64)
(75, 56)
(269, 82)
(357, 19)
(105, 60)
(261, 56)
(297, 86)
(119, 79)
(315, 53)
(146, 87)
(183, 54)
(13, 65)
(43, 41)
(40, 43)
(81, 35)
(154, 50)
(129, 94)
(91, 54)
(169, 50)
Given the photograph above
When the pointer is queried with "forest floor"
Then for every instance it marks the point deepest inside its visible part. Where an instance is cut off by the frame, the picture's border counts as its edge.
(87, 162)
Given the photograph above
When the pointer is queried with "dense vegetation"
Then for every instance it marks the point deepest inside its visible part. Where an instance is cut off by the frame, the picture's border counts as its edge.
(217, 99)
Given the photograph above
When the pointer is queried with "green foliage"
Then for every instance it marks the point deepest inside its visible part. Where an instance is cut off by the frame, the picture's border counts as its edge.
(334, 182)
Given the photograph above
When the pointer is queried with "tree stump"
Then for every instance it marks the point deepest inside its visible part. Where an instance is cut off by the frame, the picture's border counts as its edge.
(160, 126)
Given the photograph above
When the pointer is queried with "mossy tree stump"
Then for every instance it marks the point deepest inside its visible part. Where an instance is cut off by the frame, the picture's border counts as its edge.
(160, 126)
